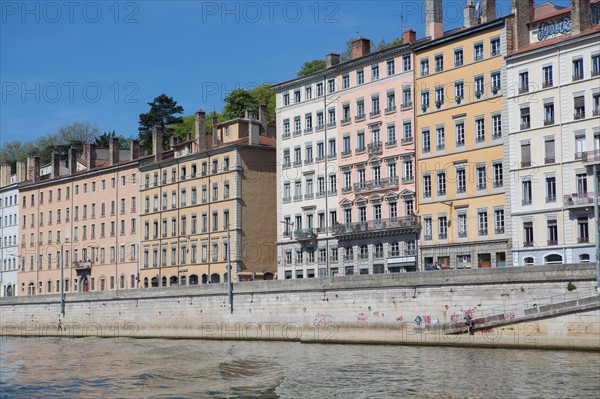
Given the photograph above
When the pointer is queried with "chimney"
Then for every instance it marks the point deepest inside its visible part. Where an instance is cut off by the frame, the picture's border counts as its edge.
(54, 165)
(581, 16)
(253, 131)
(201, 130)
(488, 11)
(262, 116)
(113, 151)
(360, 47)
(434, 27)
(332, 59)
(470, 15)
(33, 168)
(72, 160)
(4, 175)
(89, 154)
(21, 171)
(409, 36)
(157, 143)
(215, 142)
(172, 141)
(523, 11)
(134, 149)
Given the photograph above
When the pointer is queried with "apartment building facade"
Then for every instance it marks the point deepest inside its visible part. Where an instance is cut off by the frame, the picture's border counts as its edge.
(9, 229)
(80, 217)
(207, 203)
(460, 134)
(554, 134)
(346, 166)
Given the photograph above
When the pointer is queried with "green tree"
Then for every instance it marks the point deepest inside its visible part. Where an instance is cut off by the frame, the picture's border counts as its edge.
(162, 113)
(237, 102)
(264, 95)
(310, 67)
(103, 140)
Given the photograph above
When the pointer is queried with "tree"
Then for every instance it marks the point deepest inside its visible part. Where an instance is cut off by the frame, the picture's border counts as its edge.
(264, 95)
(162, 113)
(237, 102)
(311, 67)
(103, 140)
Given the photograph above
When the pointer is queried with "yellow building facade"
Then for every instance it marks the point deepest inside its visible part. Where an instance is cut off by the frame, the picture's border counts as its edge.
(460, 148)
(206, 201)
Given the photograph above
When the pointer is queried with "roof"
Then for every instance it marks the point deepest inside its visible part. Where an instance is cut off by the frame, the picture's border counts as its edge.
(459, 33)
(548, 10)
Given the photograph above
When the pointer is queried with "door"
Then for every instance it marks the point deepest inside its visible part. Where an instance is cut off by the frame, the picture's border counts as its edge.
(86, 285)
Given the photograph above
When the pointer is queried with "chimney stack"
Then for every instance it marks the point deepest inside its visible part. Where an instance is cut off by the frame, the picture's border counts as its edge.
(434, 27)
(54, 165)
(581, 16)
(470, 14)
(262, 116)
(215, 142)
(172, 141)
(72, 160)
(360, 47)
(134, 149)
(33, 168)
(409, 36)
(201, 130)
(113, 151)
(488, 11)
(157, 143)
(89, 153)
(21, 171)
(4, 175)
(523, 11)
(253, 131)
(332, 59)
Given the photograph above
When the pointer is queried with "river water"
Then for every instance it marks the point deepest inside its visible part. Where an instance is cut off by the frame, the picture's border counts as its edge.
(149, 368)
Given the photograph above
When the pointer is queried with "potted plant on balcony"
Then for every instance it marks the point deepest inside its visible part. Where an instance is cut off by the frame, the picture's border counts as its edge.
(438, 103)
(424, 107)
(477, 94)
(495, 90)
(458, 99)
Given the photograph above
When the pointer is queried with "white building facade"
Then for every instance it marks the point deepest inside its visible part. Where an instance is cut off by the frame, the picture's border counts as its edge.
(9, 231)
(554, 139)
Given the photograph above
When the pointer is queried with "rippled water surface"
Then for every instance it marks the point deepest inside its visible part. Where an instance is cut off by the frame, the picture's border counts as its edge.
(103, 368)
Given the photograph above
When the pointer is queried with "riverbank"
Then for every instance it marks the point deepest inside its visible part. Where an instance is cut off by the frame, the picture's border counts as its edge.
(408, 308)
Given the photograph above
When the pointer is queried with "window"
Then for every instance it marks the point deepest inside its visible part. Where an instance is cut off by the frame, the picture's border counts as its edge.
(442, 227)
(375, 105)
(462, 225)
(360, 109)
(286, 99)
(461, 180)
(549, 151)
(297, 96)
(407, 132)
(360, 76)
(426, 186)
(551, 189)
(459, 91)
(406, 63)
(439, 96)
(496, 85)
(528, 234)
(391, 134)
(547, 76)
(458, 57)
(390, 102)
(595, 65)
(459, 130)
(552, 227)
(425, 67)
(286, 128)
(406, 97)
(523, 82)
(482, 222)
(440, 138)
(424, 100)
(308, 92)
(495, 47)
(579, 107)
(478, 51)
(331, 86)
(441, 183)
(548, 114)
(578, 69)
(297, 126)
(391, 67)
(526, 192)
(427, 228)
(499, 220)
(346, 146)
(374, 72)
(426, 141)
(480, 130)
(581, 179)
(496, 126)
(525, 118)
(583, 233)
(319, 89)
(481, 177)
(439, 63)
(525, 155)
(479, 86)
(498, 174)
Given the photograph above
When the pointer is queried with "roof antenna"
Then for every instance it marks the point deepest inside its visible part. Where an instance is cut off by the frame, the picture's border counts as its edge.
(358, 31)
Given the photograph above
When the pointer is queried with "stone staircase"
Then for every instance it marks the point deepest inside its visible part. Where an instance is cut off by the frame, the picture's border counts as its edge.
(558, 305)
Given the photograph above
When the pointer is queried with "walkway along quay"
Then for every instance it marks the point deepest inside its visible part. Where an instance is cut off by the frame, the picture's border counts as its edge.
(552, 306)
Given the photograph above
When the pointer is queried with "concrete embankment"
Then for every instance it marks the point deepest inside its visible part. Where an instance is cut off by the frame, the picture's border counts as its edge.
(407, 308)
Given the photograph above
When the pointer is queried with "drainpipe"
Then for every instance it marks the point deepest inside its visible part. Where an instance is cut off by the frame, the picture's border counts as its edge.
(597, 227)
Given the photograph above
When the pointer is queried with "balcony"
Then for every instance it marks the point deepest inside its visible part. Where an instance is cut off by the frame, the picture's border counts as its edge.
(483, 232)
(406, 140)
(579, 115)
(549, 121)
(523, 90)
(547, 83)
(305, 234)
(552, 242)
(589, 157)
(375, 148)
(528, 244)
(499, 230)
(81, 265)
(596, 112)
(548, 160)
(577, 200)
(583, 240)
(577, 76)
(297, 132)
(377, 228)
(526, 201)
(525, 125)
(359, 117)
(375, 185)
(406, 105)
(374, 113)
(391, 109)
(462, 234)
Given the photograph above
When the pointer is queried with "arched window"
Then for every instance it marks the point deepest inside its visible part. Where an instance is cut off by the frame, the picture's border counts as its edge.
(364, 252)
(182, 282)
(154, 282)
(164, 281)
(215, 278)
(379, 250)
(193, 279)
(204, 279)
(553, 259)
(145, 282)
(173, 280)
(529, 261)
(269, 276)
(226, 277)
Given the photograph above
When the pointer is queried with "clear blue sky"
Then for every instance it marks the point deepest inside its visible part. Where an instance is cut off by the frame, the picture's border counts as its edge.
(102, 61)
